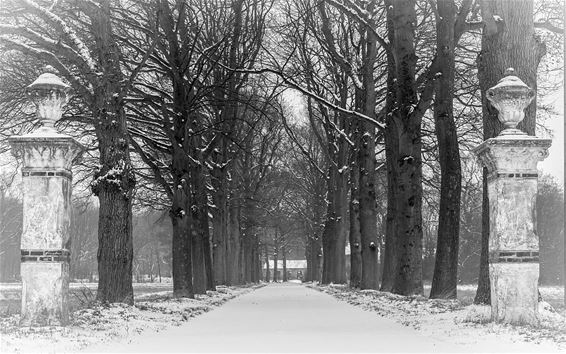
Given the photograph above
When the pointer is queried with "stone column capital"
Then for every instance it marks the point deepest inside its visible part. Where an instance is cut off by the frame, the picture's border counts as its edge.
(42, 151)
(512, 154)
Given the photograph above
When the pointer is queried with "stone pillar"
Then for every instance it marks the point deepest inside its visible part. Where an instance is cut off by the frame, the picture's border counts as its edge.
(511, 159)
(46, 157)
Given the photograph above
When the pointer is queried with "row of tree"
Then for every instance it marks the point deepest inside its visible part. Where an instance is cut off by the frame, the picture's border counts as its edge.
(283, 240)
(183, 106)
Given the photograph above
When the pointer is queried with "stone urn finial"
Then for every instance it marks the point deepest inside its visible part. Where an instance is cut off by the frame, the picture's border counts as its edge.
(49, 94)
(511, 96)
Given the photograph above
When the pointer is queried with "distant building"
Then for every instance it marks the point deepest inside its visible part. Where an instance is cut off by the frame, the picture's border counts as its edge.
(296, 269)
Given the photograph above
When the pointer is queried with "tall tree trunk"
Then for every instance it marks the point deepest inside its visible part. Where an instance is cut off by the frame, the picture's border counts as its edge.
(368, 213)
(483, 292)
(115, 247)
(247, 244)
(114, 183)
(158, 261)
(202, 199)
(367, 175)
(314, 258)
(198, 225)
(181, 255)
(197, 247)
(318, 260)
(267, 275)
(522, 50)
(233, 262)
(355, 236)
(197, 250)
(327, 234)
(389, 268)
(408, 280)
(341, 200)
(335, 234)
(445, 278)
(255, 258)
(219, 225)
(208, 262)
(284, 253)
(316, 239)
(308, 256)
(275, 265)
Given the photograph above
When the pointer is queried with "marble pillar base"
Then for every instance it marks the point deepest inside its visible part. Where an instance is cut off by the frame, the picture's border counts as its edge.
(514, 292)
(45, 286)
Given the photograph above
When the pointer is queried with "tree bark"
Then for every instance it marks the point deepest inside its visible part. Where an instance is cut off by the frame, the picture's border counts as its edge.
(219, 226)
(408, 280)
(334, 234)
(367, 175)
(256, 268)
(275, 265)
(208, 262)
(181, 262)
(248, 260)
(198, 225)
(445, 278)
(389, 267)
(267, 275)
(197, 249)
(355, 235)
(508, 43)
(114, 183)
(284, 253)
(233, 261)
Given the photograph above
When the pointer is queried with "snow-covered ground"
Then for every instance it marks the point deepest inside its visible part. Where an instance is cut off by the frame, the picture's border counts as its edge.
(153, 312)
(465, 326)
(293, 318)
(553, 294)
(287, 317)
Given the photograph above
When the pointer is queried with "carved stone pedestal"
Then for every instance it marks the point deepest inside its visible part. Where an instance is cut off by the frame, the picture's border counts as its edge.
(46, 178)
(513, 243)
(511, 160)
(46, 159)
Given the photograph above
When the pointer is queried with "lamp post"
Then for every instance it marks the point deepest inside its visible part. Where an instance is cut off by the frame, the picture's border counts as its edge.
(511, 159)
(46, 158)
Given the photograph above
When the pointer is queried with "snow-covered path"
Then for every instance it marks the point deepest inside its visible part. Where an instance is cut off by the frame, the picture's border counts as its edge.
(293, 318)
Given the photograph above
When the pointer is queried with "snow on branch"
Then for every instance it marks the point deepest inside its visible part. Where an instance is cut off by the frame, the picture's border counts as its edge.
(549, 26)
(45, 42)
(49, 57)
(331, 42)
(362, 16)
(70, 33)
(293, 84)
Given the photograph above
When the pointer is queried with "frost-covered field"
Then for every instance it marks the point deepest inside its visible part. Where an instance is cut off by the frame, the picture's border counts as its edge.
(96, 324)
(81, 294)
(455, 320)
(554, 295)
